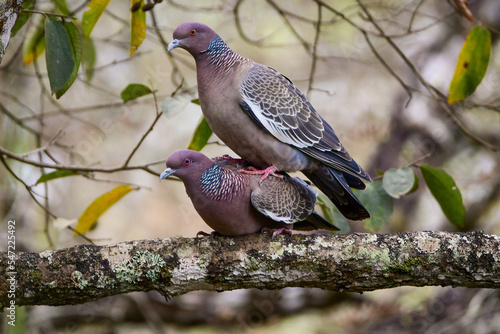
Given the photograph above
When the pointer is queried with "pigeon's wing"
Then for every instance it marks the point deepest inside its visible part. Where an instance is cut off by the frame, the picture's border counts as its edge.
(287, 200)
(273, 101)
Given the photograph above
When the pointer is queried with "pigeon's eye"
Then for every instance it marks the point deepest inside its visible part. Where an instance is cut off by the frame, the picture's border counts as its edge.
(187, 162)
(192, 32)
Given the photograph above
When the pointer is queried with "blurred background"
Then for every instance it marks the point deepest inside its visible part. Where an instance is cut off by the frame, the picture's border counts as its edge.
(375, 101)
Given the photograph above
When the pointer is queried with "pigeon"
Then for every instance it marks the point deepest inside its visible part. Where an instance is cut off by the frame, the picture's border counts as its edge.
(234, 203)
(265, 119)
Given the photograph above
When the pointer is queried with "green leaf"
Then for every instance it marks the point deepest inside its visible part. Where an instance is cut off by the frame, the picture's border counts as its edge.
(76, 48)
(415, 185)
(471, 65)
(55, 175)
(59, 54)
(446, 192)
(200, 136)
(378, 203)
(89, 58)
(22, 17)
(137, 27)
(34, 44)
(397, 182)
(99, 206)
(94, 11)
(196, 101)
(332, 214)
(134, 91)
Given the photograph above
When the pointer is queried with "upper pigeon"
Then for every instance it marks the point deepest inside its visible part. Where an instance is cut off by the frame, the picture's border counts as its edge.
(263, 117)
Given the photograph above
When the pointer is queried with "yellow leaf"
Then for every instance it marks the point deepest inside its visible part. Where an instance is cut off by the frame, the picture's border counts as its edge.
(99, 206)
(94, 11)
(471, 65)
(137, 27)
(34, 45)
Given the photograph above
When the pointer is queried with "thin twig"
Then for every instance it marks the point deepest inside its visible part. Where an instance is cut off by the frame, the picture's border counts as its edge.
(44, 147)
(314, 51)
(81, 235)
(53, 113)
(157, 117)
(40, 156)
(302, 41)
(387, 67)
(431, 89)
(16, 120)
(416, 162)
(239, 26)
(20, 158)
(414, 14)
(28, 188)
(34, 11)
(170, 57)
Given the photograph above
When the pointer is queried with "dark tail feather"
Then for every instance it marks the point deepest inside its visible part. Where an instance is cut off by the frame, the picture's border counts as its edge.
(353, 181)
(315, 222)
(335, 186)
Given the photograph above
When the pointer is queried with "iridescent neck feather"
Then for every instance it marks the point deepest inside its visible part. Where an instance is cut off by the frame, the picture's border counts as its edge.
(220, 55)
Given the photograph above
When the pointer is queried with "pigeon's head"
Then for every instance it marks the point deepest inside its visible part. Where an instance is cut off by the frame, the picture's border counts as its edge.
(186, 164)
(192, 36)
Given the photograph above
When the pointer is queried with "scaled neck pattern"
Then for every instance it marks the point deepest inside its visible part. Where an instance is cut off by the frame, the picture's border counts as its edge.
(220, 55)
(220, 184)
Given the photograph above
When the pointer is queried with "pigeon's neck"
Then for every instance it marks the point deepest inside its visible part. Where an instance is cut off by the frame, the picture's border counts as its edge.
(221, 184)
(218, 56)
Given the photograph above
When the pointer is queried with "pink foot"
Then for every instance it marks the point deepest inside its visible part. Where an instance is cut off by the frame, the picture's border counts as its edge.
(277, 232)
(271, 170)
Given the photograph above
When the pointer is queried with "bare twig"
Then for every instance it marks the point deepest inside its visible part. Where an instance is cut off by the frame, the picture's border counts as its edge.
(170, 57)
(28, 188)
(17, 120)
(302, 41)
(20, 158)
(414, 15)
(431, 89)
(34, 11)
(315, 51)
(145, 134)
(387, 67)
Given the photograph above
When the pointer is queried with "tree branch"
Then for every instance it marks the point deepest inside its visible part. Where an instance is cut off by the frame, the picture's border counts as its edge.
(174, 266)
(9, 10)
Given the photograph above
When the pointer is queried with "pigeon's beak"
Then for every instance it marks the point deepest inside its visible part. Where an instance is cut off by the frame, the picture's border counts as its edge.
(174, 44)
(167, 172)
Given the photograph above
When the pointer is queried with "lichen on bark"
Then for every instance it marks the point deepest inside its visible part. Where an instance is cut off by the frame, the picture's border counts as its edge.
(357, 262)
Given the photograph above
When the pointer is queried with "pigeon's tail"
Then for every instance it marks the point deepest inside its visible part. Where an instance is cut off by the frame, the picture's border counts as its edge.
(333, 183)
(314, 222)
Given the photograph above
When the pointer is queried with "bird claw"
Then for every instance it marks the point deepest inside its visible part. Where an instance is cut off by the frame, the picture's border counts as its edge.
(204, 234)
(271, 170)
(279, 231)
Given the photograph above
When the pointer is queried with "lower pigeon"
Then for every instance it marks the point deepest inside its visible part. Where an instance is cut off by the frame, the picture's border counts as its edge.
(235, 203)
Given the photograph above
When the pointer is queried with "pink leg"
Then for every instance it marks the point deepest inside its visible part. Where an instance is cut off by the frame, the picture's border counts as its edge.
(277, 232)
(271, 170)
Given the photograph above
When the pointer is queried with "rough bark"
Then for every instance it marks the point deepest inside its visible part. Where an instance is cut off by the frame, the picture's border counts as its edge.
(174, 266)
(9, 9)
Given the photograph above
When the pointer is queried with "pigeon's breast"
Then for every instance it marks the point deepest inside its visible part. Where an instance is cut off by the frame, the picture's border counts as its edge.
(221, 107)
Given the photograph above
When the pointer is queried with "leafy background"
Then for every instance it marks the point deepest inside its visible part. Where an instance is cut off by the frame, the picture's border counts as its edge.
(420, 143)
